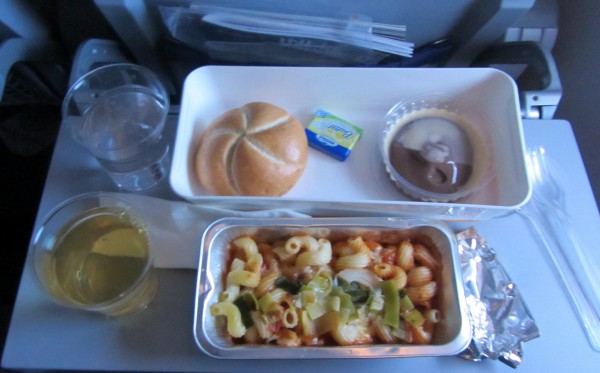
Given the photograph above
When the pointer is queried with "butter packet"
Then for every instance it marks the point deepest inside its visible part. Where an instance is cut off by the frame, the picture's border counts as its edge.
(332, 135)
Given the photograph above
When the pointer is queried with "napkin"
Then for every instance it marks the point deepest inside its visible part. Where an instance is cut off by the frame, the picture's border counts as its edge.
(176, 227)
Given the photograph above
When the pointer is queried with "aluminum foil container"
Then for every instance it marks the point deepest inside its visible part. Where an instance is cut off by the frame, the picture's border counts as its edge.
(500, 319)
(452, 334)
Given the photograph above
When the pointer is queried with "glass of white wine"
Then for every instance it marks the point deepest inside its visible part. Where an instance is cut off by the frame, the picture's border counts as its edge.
(93, 253)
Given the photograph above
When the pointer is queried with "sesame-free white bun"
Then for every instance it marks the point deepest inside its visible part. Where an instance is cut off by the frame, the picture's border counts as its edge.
(258, 149)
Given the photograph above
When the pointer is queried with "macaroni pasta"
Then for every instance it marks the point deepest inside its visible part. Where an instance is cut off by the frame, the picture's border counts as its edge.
(312, 292)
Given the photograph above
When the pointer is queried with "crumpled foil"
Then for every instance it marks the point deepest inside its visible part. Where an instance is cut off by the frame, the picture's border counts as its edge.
(500, 320)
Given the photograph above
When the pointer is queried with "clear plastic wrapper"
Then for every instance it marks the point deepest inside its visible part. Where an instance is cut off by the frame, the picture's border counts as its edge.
(253, 37)
(575, 265)
(500, 319)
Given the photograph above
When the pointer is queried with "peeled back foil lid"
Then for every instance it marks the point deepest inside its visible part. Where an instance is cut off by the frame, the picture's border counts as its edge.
(499, 317)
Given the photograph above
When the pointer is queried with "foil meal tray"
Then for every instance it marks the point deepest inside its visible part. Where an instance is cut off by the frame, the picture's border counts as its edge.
(452, 334)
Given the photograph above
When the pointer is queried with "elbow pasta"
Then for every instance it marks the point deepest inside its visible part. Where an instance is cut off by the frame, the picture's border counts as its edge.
(385, 271)
(266, 283)
(424, 256)
(405, 256)
(247, 244)
(235, 327)
(230, 293)
(400, 278)
(297, 243)
(300, 300)
(419, 276)
(359, 255)
(283, 255)
(320, 255)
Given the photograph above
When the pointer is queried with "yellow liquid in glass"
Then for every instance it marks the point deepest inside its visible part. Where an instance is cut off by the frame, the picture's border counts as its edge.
(98, 256)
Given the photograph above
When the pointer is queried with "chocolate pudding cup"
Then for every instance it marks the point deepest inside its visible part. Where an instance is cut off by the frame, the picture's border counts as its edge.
(435, 149)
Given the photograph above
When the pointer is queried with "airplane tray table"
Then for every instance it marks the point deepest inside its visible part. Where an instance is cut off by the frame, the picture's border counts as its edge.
(43, 335)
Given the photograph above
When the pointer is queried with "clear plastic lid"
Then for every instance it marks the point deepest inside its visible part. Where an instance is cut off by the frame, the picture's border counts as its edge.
(435, 150)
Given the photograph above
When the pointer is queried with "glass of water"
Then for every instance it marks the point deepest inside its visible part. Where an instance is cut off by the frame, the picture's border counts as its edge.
(118, 113)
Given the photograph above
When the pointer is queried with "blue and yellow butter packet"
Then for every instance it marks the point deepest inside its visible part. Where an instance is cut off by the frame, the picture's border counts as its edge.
(332, 135)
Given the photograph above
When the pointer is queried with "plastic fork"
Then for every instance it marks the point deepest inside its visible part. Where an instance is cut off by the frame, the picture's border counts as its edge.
(552, 225)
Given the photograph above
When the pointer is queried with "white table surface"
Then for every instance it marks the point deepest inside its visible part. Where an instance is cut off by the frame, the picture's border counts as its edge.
(43, 335)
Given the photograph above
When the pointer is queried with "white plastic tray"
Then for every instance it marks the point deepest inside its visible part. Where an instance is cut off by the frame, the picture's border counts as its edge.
(360, 185)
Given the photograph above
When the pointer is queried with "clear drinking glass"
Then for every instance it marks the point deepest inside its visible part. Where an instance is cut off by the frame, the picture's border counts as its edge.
(93, 253)
(118, 112)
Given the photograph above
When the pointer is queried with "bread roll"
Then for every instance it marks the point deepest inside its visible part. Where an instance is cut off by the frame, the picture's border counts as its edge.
(258, 149)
